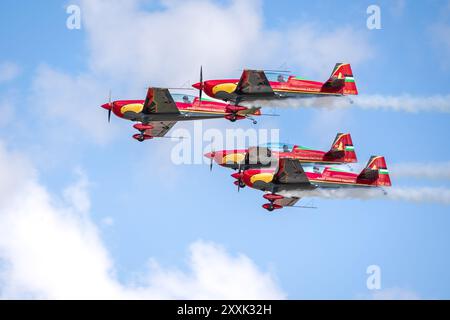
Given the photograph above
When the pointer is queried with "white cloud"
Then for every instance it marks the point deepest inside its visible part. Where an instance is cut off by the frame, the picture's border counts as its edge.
(76, 195)
(9, 71)
(51, 249)
(215, 275)
(70, 105)
(170, 44)
(317, 51)
(130, 48)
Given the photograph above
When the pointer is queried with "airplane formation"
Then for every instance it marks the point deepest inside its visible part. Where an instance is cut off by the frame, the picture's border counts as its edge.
(281, 171)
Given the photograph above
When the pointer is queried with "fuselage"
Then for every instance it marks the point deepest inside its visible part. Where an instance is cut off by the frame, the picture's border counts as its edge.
(234, 158)
(190, 109)
(290, 86)
(319, 177)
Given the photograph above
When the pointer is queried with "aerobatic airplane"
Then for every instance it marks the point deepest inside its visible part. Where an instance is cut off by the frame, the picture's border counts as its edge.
(160, 110)
(341, 151)
(290, 176)
(267, 85)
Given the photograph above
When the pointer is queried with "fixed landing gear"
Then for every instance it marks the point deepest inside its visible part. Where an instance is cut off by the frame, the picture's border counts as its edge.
(142, 128)
(272, 197)
(252, 120)
(142, 137)
(271, 206)
(233, 117)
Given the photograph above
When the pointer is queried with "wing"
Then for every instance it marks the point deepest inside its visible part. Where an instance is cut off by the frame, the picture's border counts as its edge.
(159, 100)
(290, 171)
(160, 128)
(253, 81)
(287, 202)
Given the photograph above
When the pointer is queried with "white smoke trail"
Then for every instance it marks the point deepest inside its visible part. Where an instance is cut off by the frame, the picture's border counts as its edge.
(434, 171)
(413, 194)
(423, 194)
(405, 103)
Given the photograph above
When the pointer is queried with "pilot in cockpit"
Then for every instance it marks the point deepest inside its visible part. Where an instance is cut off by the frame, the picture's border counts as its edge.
(186, 99)
(280, 78)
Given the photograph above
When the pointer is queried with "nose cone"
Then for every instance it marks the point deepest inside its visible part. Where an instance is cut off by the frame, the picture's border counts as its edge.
(197, 85)
(237, 175)
(210, 155)
(107, 106)
(217, 156)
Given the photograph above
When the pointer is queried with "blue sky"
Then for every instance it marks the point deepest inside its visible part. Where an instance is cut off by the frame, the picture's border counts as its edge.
(52, 118)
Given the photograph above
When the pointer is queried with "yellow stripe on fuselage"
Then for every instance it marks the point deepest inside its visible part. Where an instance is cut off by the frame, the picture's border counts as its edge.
(134, 107)
(227, 87)
(265, 177)
(233, 158)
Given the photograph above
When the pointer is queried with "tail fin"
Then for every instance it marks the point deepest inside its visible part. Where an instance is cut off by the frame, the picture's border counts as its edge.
(342, 148)
(375, 172)
(342, 80)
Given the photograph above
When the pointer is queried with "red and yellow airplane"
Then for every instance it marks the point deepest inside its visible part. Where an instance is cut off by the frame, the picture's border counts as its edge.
(290, 176)
(267, 85)
(160, 110)
(341, 151)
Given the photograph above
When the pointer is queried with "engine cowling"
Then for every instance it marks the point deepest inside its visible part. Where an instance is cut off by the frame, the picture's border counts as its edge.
(237, 175)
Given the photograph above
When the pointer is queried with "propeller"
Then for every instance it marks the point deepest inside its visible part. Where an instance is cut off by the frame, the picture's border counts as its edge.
(110, 106)
(201, 84)
(239, 180)
(213, 153)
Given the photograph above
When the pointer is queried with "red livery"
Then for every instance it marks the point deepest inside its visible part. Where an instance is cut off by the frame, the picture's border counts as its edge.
(267, 85)
(159, 112)
(291, 176)
(341, 151)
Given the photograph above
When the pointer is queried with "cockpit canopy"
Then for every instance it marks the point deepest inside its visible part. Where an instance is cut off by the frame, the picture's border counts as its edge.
(313, 168)
(183, 98)
(274, 76)
(278, 147)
